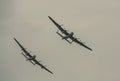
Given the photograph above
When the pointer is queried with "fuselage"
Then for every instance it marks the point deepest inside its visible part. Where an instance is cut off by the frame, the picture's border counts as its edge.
(68, 36)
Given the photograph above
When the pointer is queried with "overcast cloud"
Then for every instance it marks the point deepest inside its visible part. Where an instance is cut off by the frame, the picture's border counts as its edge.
(95, 22)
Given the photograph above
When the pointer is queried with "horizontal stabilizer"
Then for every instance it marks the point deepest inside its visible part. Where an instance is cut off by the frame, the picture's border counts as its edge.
(27, 58)
(62, 37)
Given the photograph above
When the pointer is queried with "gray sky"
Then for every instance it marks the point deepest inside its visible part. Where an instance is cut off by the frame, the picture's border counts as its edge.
(95, 22)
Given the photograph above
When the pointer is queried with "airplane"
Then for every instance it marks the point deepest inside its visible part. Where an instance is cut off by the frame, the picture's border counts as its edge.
(31, 58)
(68, 35)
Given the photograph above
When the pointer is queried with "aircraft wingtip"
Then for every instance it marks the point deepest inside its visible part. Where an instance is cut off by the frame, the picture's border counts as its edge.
(51, 72)
(91, 49)
(49, 17)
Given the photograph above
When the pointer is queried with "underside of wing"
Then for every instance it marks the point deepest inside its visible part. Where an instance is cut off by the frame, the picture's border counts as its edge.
(86, 46)
(80, 43)
(58, 26)
(43, 67)
(48, 70)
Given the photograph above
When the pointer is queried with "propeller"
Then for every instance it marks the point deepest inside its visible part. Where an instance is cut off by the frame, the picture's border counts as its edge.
(22, 53)
(66, 29)
(39, 61)
(34, 63)
(45, 65)
(84, 42)
(61, 25)
(30, 52)
(57, 31)
(76, 37)
(27, 59)
(42, 67)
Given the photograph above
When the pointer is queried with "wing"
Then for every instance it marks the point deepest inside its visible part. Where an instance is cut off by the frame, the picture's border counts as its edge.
(43, 67)
(58, 26)
(80, 43)
(23, 49)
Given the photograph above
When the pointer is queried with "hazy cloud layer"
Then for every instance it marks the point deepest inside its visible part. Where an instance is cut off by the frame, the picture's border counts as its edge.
(95, 22)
